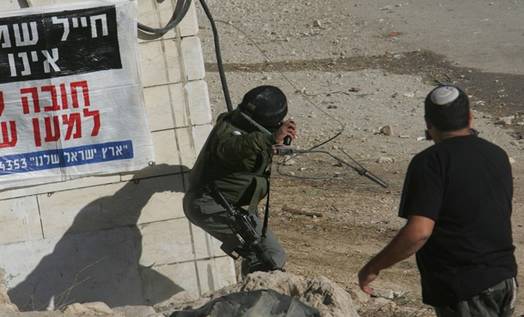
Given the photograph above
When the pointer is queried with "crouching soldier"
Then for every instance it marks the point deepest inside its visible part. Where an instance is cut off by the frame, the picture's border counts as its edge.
(231, 176)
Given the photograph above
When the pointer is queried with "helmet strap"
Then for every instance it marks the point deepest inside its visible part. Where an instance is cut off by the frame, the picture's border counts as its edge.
(256, 124)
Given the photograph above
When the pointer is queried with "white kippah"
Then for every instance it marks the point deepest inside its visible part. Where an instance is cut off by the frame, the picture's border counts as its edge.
(444, 95)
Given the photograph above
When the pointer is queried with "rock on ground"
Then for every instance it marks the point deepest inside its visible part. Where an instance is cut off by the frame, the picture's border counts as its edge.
(323, 294)
(95, 308)
(7, 309)
(89, 310)
(137, 311)
(5, 303)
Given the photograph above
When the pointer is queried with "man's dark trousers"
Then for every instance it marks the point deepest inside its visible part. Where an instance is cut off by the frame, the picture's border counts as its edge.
(496, 301)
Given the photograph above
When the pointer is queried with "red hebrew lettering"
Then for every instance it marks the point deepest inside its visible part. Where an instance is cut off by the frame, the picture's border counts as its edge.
(54, 100)
(6, 140)
(36, 132)
(25, 100)
(73, 122)
(63, 93)
(85, 93)
(96, 119)
(52, 129)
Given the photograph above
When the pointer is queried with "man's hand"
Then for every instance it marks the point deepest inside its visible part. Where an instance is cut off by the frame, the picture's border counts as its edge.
(288, 127)
(406, 243)
(365, 277)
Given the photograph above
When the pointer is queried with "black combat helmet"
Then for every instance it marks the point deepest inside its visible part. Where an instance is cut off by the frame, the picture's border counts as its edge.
(267, 105)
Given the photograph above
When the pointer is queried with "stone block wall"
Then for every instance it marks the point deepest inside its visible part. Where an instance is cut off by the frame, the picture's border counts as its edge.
(123, 239)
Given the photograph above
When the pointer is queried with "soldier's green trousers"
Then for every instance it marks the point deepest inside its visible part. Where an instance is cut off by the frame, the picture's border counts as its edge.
(203, 211)
(496, 301)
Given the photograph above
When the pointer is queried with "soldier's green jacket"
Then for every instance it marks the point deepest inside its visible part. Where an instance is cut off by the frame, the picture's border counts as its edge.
(237, 158)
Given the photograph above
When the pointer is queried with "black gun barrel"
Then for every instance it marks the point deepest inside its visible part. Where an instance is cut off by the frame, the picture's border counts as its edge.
(243, 227)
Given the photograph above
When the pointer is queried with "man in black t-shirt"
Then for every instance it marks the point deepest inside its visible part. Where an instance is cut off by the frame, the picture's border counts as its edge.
(457, 201)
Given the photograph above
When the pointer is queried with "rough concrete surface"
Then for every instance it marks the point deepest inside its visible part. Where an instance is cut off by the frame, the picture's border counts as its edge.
(6, 306)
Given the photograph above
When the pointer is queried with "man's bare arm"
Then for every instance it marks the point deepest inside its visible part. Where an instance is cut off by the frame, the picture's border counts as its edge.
(407, 242)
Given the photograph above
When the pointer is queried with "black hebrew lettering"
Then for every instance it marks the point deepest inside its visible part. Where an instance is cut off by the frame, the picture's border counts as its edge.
(56, 44)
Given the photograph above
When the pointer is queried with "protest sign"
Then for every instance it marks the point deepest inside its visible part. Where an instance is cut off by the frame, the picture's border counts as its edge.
(71, 100)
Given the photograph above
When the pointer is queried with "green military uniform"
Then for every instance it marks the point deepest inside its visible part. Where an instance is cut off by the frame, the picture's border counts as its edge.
(237, 159)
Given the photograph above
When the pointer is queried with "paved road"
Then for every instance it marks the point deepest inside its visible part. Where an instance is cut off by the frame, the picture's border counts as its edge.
(484, 34)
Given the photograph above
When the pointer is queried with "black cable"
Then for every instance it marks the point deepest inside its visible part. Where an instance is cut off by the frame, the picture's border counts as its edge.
(342, 126)
(218, 54)
(23, 4)
(361, 170)
(181, 9)
(358, 168)
(266, 212)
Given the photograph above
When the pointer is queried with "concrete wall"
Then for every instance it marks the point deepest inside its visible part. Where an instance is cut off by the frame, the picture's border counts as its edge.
(123, 239)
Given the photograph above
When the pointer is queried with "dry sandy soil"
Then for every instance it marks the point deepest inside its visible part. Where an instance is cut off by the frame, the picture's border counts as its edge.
(354, 67)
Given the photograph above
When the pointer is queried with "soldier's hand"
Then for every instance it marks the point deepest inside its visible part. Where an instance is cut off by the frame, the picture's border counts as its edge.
(288, 127)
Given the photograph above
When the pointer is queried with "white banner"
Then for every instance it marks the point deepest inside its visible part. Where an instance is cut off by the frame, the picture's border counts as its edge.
(71, 101)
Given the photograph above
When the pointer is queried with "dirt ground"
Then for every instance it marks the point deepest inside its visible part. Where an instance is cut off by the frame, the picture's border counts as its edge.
(353, 67)
(357, 218)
